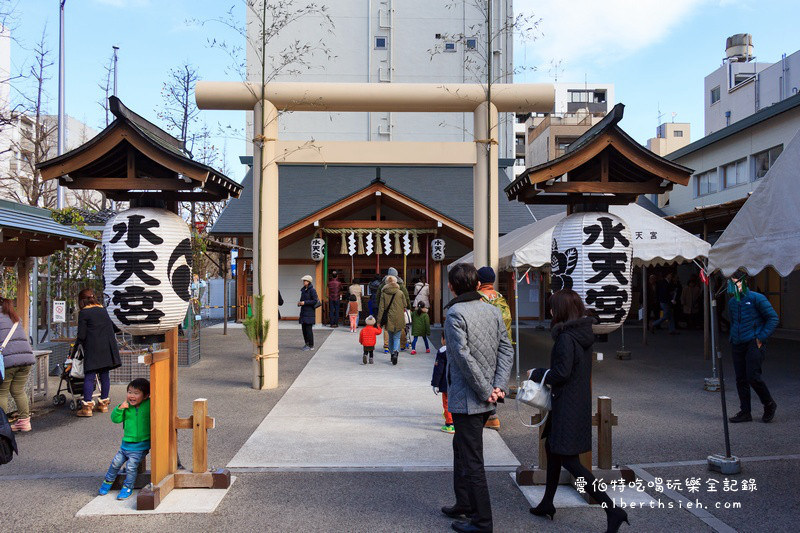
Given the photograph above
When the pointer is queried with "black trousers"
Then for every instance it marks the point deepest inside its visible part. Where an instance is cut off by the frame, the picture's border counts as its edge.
(308, 334)
(469, 476)
(747, 359)
(573, 465)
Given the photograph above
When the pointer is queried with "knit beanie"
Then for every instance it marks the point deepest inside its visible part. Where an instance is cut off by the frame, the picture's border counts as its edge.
(486, 275)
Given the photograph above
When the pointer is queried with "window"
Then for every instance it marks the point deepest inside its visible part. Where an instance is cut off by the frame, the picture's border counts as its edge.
(735, 173)
(381, 43)
(578, 96)
(764, 160)
(472, 43)
(449, 46)
(599, 97)
(739, 79)
(715, 95)
(706, 183)
(677, 133)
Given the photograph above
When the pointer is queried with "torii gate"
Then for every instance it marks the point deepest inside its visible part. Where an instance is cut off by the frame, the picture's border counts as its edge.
(368, 97)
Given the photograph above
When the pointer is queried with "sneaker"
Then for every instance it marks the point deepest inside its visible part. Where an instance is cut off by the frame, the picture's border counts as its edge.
(741, 416)
(104, 488)
(21, 424)
(386, 350)
(448, 428)
(307, 348)
(124, 493)
(427, 350)
(769, 411)
(413, 352)
(364, 359)
(394, 358)
(370, 360)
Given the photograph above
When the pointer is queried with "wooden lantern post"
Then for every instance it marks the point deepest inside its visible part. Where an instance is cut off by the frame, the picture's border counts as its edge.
(603, 167)
(157, 167)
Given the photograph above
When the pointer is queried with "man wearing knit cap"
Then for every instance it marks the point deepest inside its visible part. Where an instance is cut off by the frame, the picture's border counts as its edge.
(486, 277)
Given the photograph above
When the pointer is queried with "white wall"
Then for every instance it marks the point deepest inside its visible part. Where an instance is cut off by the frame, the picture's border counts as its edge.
(289, 284)
(777, 130)
(410, 27)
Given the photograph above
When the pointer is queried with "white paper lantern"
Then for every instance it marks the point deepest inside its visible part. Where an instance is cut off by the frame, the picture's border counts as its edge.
(317, 249)
(147, 266)
(437, 249)
(592, 255)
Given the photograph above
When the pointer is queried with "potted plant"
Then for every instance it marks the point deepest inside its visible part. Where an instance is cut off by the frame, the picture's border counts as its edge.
(256, 329)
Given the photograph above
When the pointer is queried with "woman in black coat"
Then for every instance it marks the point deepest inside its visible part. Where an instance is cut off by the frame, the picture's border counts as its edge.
(100, 351)
(308, 305)
(568, 430)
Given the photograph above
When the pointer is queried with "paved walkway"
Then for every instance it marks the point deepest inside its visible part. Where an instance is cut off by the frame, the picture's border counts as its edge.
(342, 415)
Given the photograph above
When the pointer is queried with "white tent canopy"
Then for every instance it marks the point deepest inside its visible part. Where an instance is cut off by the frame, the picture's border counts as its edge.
(765, 230)
(655, 241)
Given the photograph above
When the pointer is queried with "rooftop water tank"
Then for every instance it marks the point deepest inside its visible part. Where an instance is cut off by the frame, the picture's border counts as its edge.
(739, 47)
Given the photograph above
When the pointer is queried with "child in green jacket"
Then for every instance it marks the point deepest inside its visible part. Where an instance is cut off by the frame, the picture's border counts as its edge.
(134, 413)
(420, 327)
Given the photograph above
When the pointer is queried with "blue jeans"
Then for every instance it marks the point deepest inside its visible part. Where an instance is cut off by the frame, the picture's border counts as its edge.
(414, 343)
(666, 316)
(88, 385)
(394, 341)
(334, 312)
(133, 459)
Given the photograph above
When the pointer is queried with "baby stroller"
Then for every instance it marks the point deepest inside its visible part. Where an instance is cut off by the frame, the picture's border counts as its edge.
(71, 385)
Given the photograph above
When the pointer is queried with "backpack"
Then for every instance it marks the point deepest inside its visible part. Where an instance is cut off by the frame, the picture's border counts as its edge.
(8, 443)
(500, 302)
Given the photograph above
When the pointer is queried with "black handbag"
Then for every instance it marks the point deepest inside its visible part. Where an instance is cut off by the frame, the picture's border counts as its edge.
(317, 304)
(385, 317)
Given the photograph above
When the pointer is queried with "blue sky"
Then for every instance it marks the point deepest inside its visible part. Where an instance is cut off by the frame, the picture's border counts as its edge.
(655, 52)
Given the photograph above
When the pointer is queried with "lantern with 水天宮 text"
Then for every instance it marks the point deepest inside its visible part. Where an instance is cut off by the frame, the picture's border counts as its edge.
(317, 249)
(147, 266)
(437, 249)
(592, 255)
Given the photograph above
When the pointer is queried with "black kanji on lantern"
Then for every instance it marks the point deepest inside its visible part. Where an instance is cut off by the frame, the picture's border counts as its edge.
(135, 229)
(608, 303)
(137, 306)
(605, 263)
(638, 235)
(130, 263)
(611, 232)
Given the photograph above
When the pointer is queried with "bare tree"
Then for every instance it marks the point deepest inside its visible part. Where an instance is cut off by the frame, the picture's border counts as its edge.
(106, 85)
(179, 111)
(35, 137)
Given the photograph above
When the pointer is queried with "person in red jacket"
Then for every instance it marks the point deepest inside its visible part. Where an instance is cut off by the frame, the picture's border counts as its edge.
(367, 338)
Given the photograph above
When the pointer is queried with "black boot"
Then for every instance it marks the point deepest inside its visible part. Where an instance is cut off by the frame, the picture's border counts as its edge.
(741, 416)
(543, 509)
(394, 358)
(457, 512)
(769, 411)
(615, 517)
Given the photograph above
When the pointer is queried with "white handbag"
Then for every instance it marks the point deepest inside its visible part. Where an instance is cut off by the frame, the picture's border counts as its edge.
(536, 395)
(76, 371)
(407, 316)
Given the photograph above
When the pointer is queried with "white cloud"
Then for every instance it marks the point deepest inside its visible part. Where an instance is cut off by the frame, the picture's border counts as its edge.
(603, 32)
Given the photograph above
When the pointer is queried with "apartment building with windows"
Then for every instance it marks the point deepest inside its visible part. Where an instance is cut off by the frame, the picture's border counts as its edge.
(742, 86)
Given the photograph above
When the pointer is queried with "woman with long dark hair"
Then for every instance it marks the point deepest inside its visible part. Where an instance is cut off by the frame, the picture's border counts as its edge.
(568, 430)
(100, 351)
(18, 360)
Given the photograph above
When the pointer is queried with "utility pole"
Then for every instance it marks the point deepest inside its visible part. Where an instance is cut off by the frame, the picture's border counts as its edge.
(115, 69)
(61, 147)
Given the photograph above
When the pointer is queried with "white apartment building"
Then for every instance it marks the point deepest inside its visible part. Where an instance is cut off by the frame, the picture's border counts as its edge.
(742, 86)
(390, 41)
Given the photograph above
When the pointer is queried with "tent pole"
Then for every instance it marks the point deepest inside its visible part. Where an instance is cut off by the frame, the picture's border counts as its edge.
(516, 322)
(645, 310)
(718, 355)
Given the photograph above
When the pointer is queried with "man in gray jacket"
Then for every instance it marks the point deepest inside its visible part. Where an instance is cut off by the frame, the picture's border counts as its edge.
(479, 357)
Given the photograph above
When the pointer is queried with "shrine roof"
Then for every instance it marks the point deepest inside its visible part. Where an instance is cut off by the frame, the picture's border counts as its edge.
(133, 158)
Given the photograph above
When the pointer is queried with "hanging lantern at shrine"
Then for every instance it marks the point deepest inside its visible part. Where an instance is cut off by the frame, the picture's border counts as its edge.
(592, 255)
(317, 249)
(147, 265)
(437, 249)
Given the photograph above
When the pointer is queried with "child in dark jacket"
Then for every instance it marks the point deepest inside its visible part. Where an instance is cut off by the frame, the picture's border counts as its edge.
(367, 338)
(134, 414)
(439, 384)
